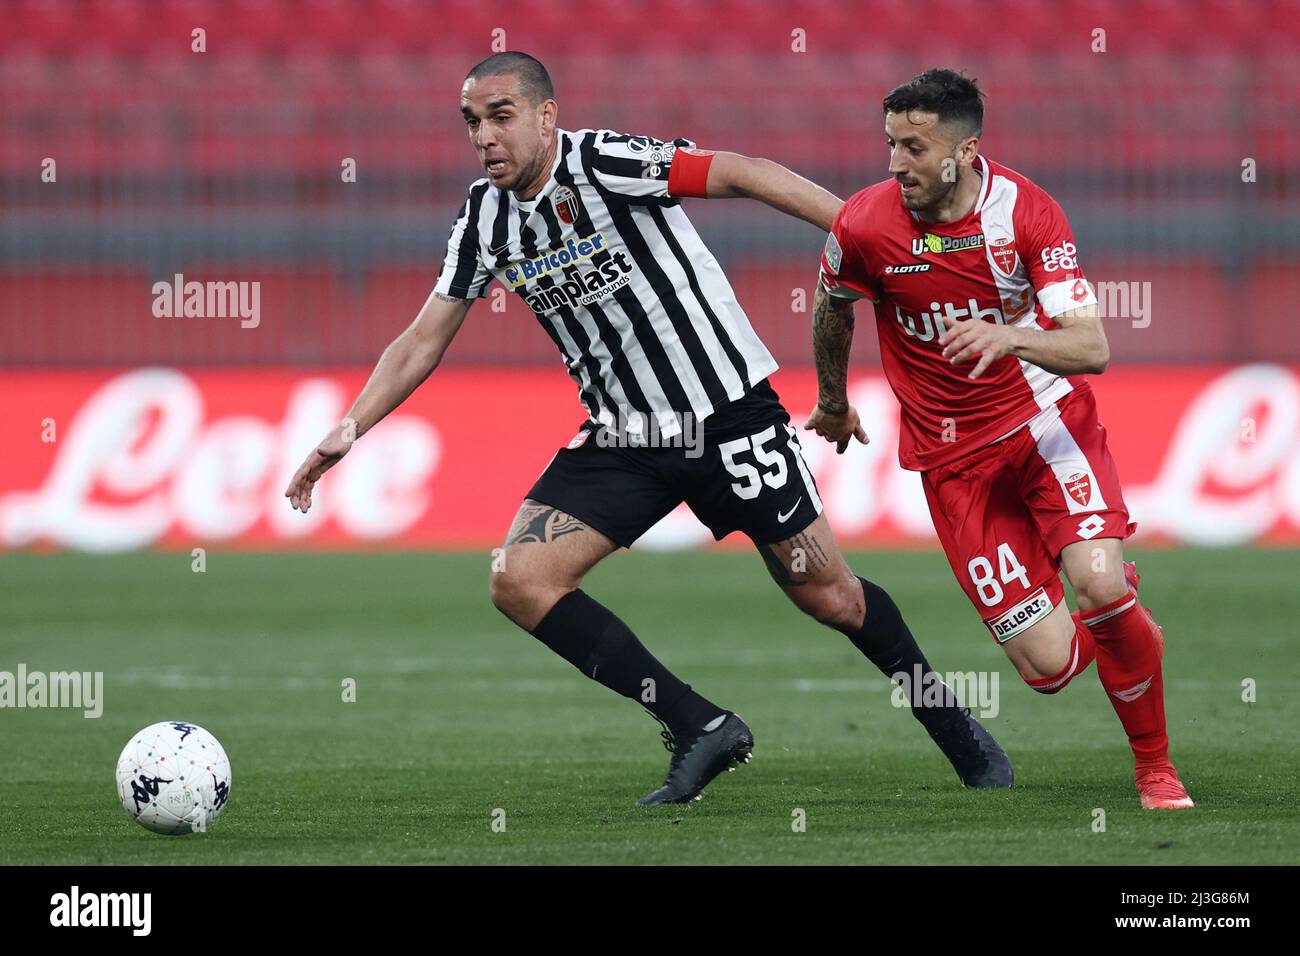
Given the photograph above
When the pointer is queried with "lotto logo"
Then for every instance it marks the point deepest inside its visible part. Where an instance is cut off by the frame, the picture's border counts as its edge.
(1090, 527)
(1060, 257)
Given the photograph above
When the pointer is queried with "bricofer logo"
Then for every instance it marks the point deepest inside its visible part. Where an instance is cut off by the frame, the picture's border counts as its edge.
(927, 326)
(576, 288)
(571, 253)
(930, 243)
(1029, 611)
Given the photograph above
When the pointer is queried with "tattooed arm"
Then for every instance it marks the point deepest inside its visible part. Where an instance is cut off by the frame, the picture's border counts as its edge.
(833, 418)
(406, 363)
(832, 338)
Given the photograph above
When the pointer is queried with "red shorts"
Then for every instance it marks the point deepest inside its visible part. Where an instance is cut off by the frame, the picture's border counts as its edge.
(1004, 512)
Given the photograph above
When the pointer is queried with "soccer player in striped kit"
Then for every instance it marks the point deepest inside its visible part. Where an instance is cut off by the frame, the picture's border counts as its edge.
(967, 261)
(587, 227)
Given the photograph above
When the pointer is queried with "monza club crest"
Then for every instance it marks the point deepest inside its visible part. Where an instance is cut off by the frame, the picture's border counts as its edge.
(565, 201)
(1003, 252)
(1079, 487)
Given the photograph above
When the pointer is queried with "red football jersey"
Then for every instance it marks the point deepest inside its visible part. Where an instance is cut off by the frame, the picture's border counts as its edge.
(1011, 259)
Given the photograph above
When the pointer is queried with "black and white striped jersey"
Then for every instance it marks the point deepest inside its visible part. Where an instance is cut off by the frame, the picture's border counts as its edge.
(617, 276)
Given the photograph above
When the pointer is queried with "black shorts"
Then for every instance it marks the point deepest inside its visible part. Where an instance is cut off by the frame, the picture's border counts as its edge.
(742, 471)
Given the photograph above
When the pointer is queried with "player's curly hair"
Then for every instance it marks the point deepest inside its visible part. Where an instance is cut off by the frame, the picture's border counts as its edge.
(950, 94)
(534, 81)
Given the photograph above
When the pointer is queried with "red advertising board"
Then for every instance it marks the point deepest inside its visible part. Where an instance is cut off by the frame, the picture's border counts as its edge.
(106, 460)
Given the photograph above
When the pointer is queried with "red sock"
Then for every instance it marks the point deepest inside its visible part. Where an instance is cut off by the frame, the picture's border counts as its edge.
(1128, 663)
(1083, 648)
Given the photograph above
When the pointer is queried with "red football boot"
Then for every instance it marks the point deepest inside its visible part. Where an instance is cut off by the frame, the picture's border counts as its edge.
(1160, 789)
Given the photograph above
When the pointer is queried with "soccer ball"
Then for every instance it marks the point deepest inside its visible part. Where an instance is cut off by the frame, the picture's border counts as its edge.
(173, 778)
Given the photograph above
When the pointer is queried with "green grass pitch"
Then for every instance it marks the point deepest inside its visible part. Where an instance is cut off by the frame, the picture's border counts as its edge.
(459, 714)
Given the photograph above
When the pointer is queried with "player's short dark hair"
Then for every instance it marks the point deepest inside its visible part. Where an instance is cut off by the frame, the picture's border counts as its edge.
(950, 94)
(534, 81)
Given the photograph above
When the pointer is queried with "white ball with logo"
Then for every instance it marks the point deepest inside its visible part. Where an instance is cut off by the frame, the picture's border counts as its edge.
(173, 778)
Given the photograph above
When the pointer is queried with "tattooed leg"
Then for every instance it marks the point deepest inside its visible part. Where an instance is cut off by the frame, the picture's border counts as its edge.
(546, 555)
(811, 570)
(537, 523)
(797, 560)
(536, 585)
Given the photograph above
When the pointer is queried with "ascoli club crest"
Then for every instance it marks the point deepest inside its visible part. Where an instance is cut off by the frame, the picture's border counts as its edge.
(565, 201)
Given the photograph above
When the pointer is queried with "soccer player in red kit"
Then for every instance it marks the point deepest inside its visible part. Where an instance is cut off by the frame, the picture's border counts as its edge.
(987, 327)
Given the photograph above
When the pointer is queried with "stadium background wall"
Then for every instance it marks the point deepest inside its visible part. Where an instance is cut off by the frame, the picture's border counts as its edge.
(1175, 151)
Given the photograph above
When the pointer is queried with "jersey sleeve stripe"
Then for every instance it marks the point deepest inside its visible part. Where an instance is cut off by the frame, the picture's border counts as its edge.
(617, 166)
(468, 279)
(443, 282)
(1060, 297)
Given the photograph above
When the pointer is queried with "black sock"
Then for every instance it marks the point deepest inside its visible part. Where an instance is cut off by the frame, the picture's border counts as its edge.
(591, 638)
(885, 641)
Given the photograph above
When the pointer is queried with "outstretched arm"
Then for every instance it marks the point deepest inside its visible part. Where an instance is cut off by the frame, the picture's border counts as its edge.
(407, 362)
(409, 359)
(732, 175)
